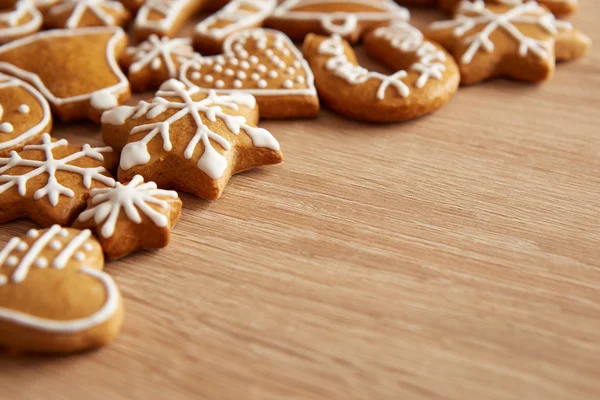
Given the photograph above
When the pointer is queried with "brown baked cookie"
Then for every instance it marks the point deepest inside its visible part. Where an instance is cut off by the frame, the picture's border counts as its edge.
(164, 17)
(132, 5)
(81, 13)
(521, 41)
(131, 217)
(54, 297)
(18, 21)
(41, 5)
(24, 114)
(238, 15)
(557, 7)
(426, 78)
(75, 69)
(261, 62)
(49, 183)
(188, 140)
(417, 3)
(348, 18)
(156, 60)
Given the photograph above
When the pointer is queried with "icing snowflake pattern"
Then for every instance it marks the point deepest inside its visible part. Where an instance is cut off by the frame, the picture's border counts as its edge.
(239, 14)
(78, 8)
(133, 197)
(156, 52)
(529, 13)
(53, 189)
(211, 161)
(407, 38)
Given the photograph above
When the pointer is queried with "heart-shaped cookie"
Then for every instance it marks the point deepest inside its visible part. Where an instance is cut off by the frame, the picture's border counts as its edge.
(24, 114)
(261, 62)
(75, 69)
(426, 75)
(54, 297)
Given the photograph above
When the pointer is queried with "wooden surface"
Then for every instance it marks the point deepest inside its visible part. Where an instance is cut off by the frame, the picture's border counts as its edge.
(452, 257)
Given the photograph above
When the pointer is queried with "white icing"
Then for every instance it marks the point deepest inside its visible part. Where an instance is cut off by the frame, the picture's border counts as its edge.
(10, 27)
(211, 161)
(55, 245)
(53, 188)
(88, 246)
(41, 262)
(23, 109)
(250, 39)
(104, 100)
(471, 16)
(6, 127)
(32, 233)
(163, 51)
(238, 16)
(132, 198)
(117, 34)
(169, 9)
(61, 260)
(340, 22)
(104, 10)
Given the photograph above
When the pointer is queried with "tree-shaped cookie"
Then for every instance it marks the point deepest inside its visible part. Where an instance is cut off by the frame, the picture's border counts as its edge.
(347, 18)
(130, 217)
(75, 69)
(261, 62)
(425, 76)
(238, 15)
(24, 114)
(19, 21)
(189, 140)
(521, 41)
(156, 60)
(50, 182)
(81, 13)
(54, 297)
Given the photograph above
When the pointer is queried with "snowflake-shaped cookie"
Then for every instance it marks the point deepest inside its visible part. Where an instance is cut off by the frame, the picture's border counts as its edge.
(50, 182)
(129, 217)
(517, 40)
(22, 20)
(80, 13)
(205, 139)
(156, 60)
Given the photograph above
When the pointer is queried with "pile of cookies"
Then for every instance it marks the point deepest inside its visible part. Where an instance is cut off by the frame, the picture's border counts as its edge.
(68, 59)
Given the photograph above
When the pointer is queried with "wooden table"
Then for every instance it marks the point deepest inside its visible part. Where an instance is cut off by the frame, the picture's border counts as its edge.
(452, 257)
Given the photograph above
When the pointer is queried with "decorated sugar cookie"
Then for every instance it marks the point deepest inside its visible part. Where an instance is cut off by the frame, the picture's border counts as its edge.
(50, 182)
(74, 69)
(520, 41)
(164, 17)
(189, 140)
(261, 62)
(54, 297)
(156, 60)
(348, 18)
(131, 217)
(238, 15)
(81, 13)
(19, 21)
(557, 7)
(426, 76)
(24, 114)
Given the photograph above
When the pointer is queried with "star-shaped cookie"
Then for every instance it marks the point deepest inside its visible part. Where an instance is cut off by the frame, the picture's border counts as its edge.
(189, 140)
(130, 217)
(521, 41)
(50, 182)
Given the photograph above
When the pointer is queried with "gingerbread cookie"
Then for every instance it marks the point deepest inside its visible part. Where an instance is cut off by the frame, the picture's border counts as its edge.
(517, 41)
(426, 78)
(75, 69)
(41, 5)
(50, 182)
(156, 60)
(54, 297)
(348, 18)
(81, 13)
(264, 63)
(238, 15)
(132, 5)
(19, 21)
(189, 140)
(24, 114)
(557, 7)
(164, 17)
(130, 217)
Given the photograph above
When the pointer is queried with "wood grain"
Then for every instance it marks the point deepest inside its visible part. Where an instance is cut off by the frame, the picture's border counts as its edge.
(452, 257)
